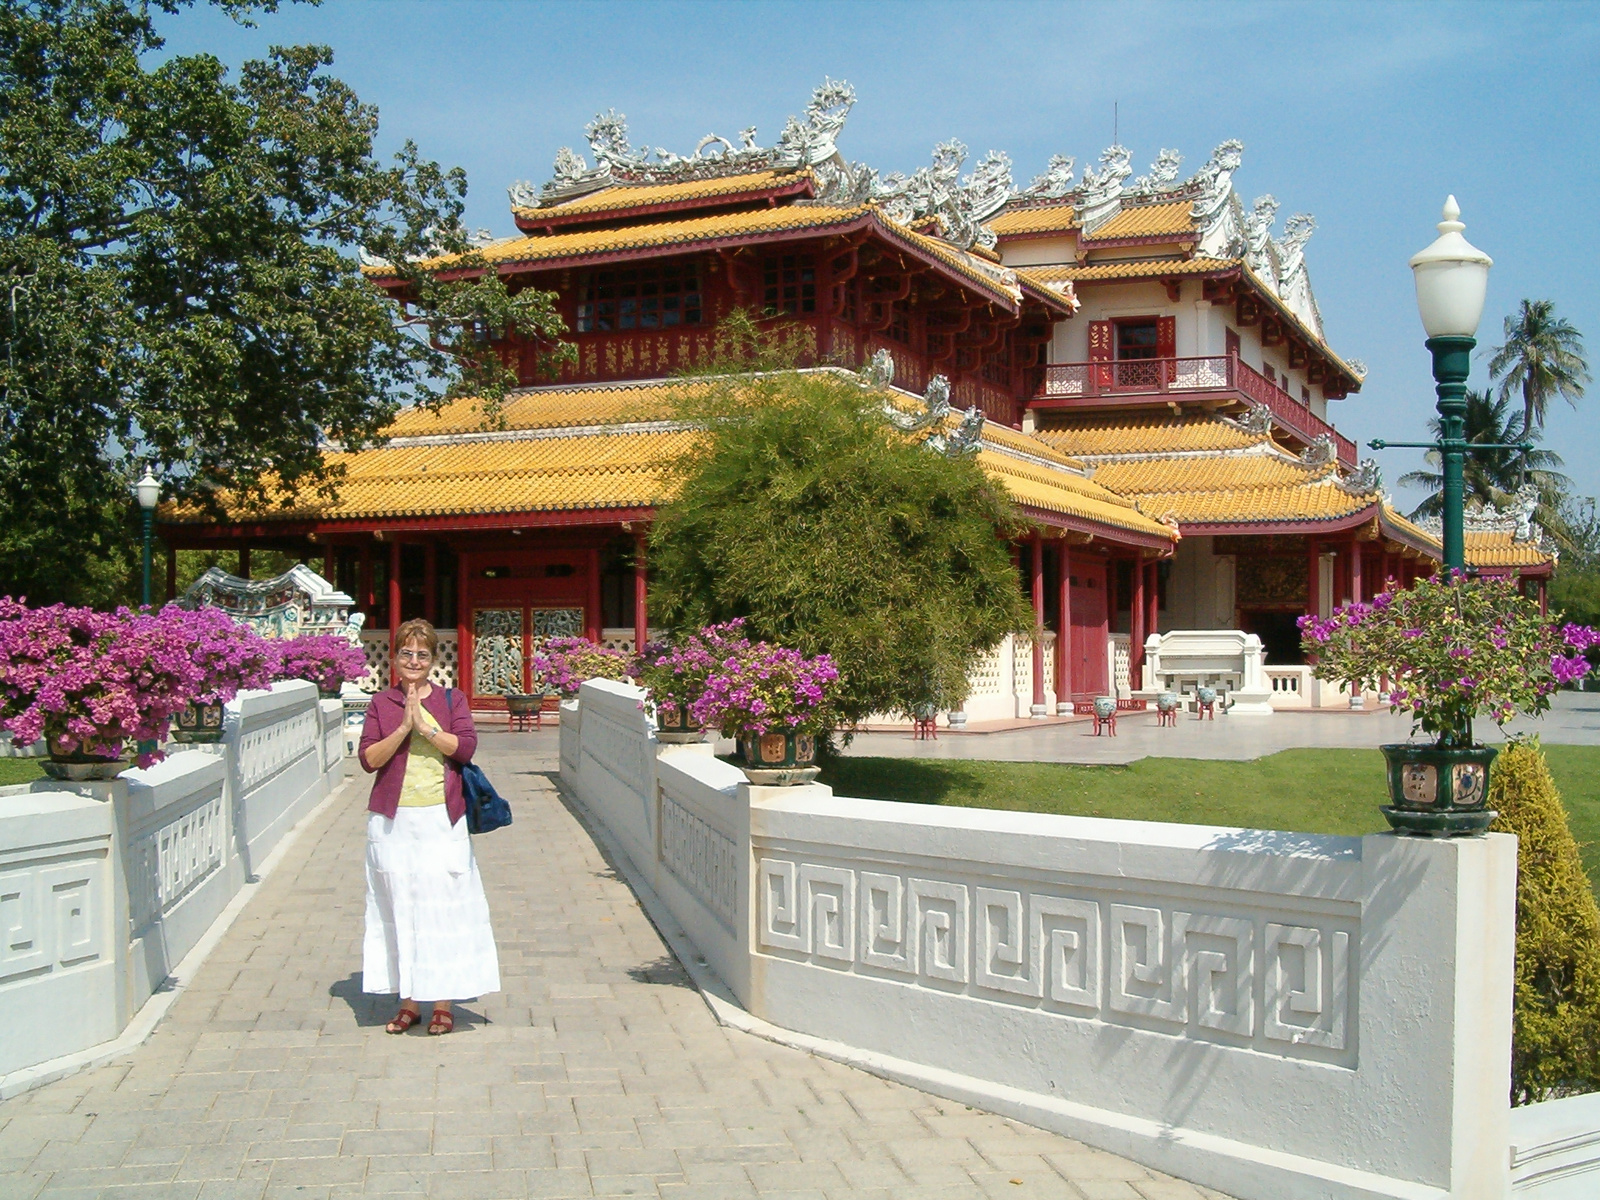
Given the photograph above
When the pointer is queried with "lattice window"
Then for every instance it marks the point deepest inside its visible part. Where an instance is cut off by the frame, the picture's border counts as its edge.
(986, 676)
(789, 284)
(653, 297)
(376, 648)
(497, 649)
(446, 662)
(1122, 659)
(899, 329)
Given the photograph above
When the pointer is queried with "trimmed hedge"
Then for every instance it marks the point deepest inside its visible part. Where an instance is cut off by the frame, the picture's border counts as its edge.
(1555, 1043)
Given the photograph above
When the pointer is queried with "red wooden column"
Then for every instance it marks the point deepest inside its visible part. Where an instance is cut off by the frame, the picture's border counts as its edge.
(1356, 593)
(463, 626)
(172, 574)
(430, 582)
(327, 563)
(1064, 633)
(1037, 550)
(1544, 599)
(1152, 600)
(394, 603)
(1313, 578)
(641, 580)
(244, 561)
(1136, 631)
(592, 609)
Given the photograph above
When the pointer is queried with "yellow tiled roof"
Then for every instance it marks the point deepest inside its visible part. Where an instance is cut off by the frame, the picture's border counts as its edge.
(547, 408)
(1139, 268)
(592, 242)
(1207, 473)
(594, 471)
(1147, 433)
(1245, 506)
(633, 195)
(1072, 495)
(1058, 218)
(1146, 221)
(1492, 549)
(1027, 443)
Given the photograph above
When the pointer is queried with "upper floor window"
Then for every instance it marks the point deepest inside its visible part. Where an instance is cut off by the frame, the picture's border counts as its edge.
(899, 323)
(657, 296)
(1137, 339)
(789, 284)
(1305, 395)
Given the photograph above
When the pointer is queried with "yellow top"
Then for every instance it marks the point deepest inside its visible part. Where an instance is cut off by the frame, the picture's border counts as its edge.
(424, 782)
(1148, 220)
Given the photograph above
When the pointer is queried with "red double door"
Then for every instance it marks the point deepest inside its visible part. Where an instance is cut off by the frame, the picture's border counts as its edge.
(514, 603)
(1090, 632)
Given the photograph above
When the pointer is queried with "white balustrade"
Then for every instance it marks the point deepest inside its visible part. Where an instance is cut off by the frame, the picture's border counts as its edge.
(105, 887)
(1232, 1006)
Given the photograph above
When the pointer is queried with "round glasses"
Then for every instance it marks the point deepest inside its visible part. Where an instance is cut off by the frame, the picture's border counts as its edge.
(415, 656)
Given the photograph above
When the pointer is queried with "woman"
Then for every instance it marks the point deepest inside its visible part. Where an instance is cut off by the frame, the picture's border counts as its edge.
(428, 934)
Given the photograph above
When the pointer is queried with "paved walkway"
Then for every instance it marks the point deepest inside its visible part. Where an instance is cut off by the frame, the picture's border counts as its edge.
(598, 1071)
(1574, 720)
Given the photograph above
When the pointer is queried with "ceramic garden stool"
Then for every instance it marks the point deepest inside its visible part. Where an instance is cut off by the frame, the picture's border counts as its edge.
(1105, 715)
(923, 728)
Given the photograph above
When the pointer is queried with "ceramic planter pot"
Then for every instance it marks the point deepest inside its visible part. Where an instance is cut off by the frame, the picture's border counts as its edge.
(83, 768)
(781, 759)
(1167, 702)
(1206, 695)
(674, 725)
(1438, 791)
(1105, 706)
(523, 704)
(199, 724)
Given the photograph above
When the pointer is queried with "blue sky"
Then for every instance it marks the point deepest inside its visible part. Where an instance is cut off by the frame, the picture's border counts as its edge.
(1365, 115)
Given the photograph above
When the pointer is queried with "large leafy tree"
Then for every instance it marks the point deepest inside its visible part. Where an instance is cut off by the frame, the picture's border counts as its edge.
(1541, 358)
(1494, 476)
(179, 255)
(806, 513)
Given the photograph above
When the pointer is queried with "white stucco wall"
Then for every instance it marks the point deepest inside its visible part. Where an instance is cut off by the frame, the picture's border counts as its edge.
(1272, 1014)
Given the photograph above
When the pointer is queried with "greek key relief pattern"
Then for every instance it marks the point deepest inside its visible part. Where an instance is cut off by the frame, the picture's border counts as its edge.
(701, 858)
(168, 862)
(1231, 977)
(618, 749)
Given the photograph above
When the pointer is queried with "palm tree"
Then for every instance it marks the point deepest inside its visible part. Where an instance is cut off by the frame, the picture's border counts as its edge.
(1542, 357)
(1493, 476)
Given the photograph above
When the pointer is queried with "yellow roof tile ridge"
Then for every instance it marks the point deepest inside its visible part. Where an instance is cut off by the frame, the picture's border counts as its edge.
(1079, 485)
(1264, 447)
(1068, 467)
(538, 433)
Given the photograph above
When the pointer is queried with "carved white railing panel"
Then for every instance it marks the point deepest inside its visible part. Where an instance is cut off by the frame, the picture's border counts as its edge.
(702, 858)
(1171, 967)
(169, 861)
(1121, 664)
(269, 748)
(620, 750)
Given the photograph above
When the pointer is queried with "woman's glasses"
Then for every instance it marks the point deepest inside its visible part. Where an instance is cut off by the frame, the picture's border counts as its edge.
(415, 656)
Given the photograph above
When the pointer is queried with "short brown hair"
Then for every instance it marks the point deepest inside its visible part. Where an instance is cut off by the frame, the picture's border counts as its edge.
(417, 630)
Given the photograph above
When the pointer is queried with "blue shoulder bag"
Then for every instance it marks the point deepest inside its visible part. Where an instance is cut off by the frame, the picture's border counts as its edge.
(487, 809)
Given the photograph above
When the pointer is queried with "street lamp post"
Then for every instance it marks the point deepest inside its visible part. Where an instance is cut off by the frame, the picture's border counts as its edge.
(1452, 278)
(148, 492)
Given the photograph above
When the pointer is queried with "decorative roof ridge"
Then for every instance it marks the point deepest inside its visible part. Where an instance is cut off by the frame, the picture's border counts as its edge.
(1021, 455)
(531, 434)
(1264, 448)
(1516, 518)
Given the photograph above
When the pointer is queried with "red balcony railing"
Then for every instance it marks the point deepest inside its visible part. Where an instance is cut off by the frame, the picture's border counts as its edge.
(1096, 382)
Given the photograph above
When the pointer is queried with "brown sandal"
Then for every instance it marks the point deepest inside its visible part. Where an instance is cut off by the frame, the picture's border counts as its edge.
(403, 1020)
(443, 1021)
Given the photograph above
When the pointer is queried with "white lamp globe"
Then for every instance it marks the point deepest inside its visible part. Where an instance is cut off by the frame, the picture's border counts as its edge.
(1452, 277)
(148, 490)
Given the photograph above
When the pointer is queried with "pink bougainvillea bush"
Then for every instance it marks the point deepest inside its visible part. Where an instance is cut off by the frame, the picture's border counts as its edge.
(89, 682)
(229, 656)
(676, 672)
(325, 659)
(760, 688)
(1449, 650)
(565, 662)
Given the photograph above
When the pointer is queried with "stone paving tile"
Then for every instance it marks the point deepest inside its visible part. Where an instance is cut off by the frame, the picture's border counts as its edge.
(597, 1071)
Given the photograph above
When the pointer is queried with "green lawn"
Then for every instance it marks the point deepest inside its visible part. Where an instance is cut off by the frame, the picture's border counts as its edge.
(20, 770)
(1308, 791)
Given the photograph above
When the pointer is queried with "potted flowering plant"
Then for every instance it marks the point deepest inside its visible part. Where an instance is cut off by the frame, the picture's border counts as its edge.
(90, 682)
(675, 675)
(774, 701)
(228, 656)
(325, 659)
(565, 662)
(1448, 650)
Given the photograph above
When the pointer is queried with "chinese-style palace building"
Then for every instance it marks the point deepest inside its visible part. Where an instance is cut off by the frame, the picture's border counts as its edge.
(1147, 358)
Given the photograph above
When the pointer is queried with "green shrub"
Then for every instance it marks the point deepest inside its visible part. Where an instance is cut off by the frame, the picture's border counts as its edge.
(1555, 1042)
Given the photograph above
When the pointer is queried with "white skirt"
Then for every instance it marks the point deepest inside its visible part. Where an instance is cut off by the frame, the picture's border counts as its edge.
(428, 934)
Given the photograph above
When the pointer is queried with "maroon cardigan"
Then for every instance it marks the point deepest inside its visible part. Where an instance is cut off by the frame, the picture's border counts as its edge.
(385, 714)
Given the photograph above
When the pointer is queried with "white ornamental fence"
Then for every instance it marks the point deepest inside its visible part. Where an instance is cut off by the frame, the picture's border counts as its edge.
(105, 887)
(1271, 1014)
